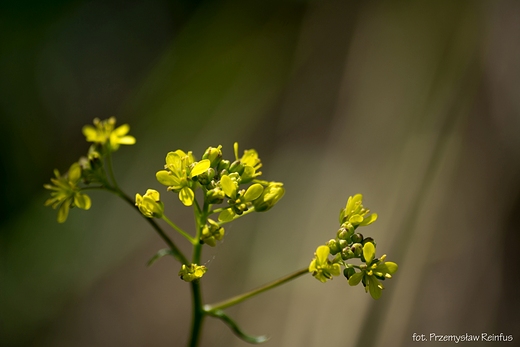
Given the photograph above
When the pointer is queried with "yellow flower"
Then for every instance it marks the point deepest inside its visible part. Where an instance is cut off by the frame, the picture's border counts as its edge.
(105, 132)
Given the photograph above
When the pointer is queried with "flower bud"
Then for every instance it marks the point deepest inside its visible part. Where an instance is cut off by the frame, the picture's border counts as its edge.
(223, 165)
(346, 253)
(368, 239)
(206, 177)
(357, 249)
(270, 196)
(333, 246)
(357, 238)
(342, 233)
(214, 155)
(237, 167)
(348, 271)
(215, 196)
(192, 272)
(150, 204)
(342, 243)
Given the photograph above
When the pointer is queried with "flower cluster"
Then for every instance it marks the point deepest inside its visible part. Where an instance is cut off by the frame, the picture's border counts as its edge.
(230, 189)
(66, 192)
(192, 272)
(67, 189)
(349, 244)
(220, 181)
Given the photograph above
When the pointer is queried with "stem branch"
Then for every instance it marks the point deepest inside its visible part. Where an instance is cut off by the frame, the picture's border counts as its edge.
(239, 298)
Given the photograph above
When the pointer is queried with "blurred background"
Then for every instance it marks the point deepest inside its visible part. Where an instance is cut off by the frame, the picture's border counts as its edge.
(413, 104)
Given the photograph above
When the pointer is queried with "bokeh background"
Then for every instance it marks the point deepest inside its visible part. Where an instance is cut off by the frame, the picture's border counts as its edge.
(415, 104)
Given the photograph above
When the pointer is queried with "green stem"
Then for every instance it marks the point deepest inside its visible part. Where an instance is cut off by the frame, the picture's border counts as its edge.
(198, 314)
(182, 232)
(176, 251)
(201, 217)
(239, 298)
(111, 171)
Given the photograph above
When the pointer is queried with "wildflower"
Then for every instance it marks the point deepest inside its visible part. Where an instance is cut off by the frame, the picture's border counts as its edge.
(150, 204)
(272, 193)
(192, 272)
(240, 201)
(181, 168)
(321, 267)
(372, 272)
(105, 132)
(354, 214)
(248, 165)
(212, 232)
(66, 193)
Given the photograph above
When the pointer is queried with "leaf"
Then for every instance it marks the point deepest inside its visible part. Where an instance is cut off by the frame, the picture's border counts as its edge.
(161, 253)
(236, 329)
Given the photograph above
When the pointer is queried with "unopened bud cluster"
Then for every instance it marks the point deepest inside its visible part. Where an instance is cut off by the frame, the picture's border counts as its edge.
(350, 244)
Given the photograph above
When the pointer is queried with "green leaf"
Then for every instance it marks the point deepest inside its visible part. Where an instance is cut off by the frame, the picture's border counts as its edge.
(355, 278)
(186, 196)
(200, 167)
(228, 186)
(253, 192)
(236, 329)
(161, 253)
(369, 251)
(226, 216)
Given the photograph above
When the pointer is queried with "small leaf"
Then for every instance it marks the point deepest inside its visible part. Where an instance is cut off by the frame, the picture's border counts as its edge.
(236, 329)
(161, 253)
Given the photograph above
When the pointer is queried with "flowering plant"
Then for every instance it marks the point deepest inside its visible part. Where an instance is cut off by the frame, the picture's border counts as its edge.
(230, 189)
